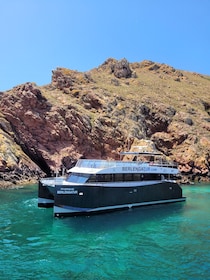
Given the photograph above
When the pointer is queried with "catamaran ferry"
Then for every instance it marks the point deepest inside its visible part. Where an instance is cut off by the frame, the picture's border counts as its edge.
(96, 186)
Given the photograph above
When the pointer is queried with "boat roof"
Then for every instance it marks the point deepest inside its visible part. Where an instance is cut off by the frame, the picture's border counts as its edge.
(142, 153)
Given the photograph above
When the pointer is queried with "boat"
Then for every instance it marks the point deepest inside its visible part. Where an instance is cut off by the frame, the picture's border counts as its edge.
(138, 178)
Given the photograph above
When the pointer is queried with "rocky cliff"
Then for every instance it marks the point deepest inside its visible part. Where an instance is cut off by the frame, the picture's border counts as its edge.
(99, 113)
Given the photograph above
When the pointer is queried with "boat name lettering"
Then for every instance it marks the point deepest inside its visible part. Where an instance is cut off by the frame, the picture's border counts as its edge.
(134, 168)
(67, 191)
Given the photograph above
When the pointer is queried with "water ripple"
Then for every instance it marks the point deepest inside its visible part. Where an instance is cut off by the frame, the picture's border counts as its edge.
(146, 243)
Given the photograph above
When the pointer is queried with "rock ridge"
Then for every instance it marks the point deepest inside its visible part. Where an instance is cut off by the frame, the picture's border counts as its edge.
(97, 114)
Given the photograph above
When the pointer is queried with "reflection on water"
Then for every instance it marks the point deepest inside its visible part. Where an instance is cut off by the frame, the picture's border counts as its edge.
(155, 242)
(124, 218)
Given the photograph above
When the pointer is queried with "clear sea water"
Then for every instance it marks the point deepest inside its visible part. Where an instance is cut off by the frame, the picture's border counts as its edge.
(156, 242)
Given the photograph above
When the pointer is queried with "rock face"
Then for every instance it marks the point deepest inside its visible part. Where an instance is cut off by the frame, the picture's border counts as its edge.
(121, 69)
(44, 130)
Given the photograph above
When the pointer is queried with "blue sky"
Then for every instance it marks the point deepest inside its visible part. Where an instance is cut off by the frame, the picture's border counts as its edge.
(39, 35)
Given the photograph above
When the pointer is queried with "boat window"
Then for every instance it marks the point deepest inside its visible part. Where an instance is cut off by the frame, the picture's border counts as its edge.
(101, 178)
(118, 177)
(92, 178)
(137, 177)
(82, 178)
(104, 178)
(148, 177)
(78, 178)
(128, 177)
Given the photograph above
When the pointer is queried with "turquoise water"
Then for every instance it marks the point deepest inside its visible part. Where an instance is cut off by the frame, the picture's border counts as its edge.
(156, 242)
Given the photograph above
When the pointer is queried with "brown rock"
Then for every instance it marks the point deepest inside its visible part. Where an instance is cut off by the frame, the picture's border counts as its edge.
(121, 69)
(86, 115)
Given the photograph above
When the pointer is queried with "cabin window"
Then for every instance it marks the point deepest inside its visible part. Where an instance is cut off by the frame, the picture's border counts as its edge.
(92, 178)
(128, 177)
(107, 177)
(148, 177)
(100, 178)
(137, 177)
(118, 177)
(80, 178)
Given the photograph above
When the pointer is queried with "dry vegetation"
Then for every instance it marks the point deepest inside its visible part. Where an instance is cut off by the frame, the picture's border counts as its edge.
(176, 115)
(186, 92)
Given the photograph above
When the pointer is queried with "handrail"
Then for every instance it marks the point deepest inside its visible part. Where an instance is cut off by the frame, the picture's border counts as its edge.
(99, 164)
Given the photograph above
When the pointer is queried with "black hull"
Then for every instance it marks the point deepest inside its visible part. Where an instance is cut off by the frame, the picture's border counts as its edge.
(45, 196)
(86, 200)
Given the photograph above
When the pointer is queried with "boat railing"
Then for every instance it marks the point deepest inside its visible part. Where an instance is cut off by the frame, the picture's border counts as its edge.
(164, 164)
(99, 164)
(94, 163)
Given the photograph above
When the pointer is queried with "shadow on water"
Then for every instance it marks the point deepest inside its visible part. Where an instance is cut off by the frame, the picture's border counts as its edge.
(122, 219)
(196, 198)
(20, 205)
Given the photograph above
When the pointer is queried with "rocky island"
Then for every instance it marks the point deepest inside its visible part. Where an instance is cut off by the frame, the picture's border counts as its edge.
(96, 114)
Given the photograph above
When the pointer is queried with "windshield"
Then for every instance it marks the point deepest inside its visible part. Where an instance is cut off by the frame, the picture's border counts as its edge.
(78, 178)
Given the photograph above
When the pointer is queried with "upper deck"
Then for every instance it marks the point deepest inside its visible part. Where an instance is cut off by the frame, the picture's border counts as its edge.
(103, 164)
(140, 160)
(93, 166)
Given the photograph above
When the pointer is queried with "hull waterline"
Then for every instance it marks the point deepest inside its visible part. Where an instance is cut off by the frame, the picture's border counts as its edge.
(91, 200)
(64, 211)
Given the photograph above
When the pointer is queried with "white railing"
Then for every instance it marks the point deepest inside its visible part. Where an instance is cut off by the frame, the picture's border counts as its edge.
(93, 163)
(99, 164)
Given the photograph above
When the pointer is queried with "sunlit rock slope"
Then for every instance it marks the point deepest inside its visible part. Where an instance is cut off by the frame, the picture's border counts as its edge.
(97, 114)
